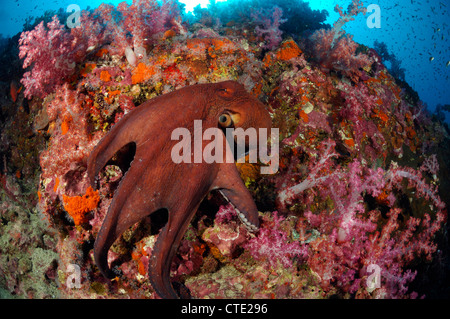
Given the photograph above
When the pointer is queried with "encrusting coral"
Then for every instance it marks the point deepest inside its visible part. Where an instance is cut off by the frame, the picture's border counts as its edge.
(361, 176)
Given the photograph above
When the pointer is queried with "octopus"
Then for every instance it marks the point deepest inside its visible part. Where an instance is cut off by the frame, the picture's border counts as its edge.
(154, 181)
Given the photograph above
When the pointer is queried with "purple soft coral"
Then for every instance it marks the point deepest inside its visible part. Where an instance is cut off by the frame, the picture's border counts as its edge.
(272, 244)
(270, 31)
(351, 241)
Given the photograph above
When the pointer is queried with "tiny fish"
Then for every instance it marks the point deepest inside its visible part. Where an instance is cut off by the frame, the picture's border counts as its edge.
(431, 59)
(14, 91)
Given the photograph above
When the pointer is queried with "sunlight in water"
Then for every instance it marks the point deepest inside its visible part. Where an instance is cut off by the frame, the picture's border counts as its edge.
(191, 4)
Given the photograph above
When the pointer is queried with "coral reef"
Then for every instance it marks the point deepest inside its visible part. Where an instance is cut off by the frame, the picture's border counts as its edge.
(358, 208)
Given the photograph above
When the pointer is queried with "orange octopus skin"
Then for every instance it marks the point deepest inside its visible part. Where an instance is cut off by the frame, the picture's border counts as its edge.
(153, 181)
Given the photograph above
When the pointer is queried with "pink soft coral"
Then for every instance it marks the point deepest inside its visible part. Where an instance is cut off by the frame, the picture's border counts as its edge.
(272, 244)
(338, 53)
(62, 162)
(352, 238)
(50, 52)
(137, 24)
(335, 50)
(270, 27)
(228, 233)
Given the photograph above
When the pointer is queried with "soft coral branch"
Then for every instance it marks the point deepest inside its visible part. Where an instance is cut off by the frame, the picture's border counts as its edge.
(338, 52)
(133, 26)
(353, 9)
(52, 52)
(49, 51)
(335, 50)
(317, 175)
(272, 244)
(270, 29)
(430, 192)
(354, 238)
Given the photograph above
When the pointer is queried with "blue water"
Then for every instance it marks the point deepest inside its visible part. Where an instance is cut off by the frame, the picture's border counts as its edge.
(416, 32)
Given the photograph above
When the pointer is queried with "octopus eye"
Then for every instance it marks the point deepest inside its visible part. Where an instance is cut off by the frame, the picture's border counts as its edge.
(225, 120)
